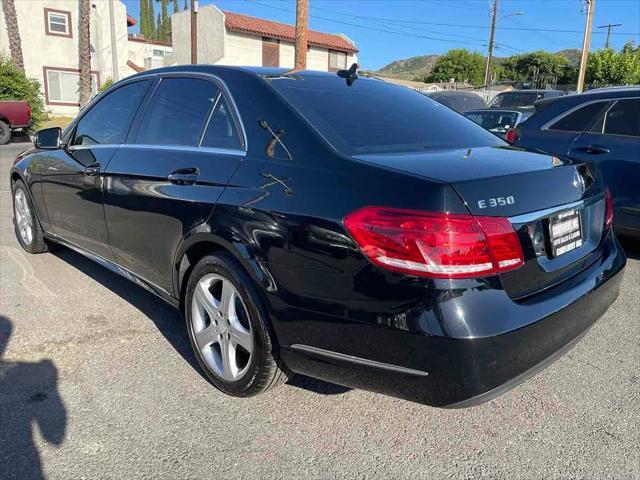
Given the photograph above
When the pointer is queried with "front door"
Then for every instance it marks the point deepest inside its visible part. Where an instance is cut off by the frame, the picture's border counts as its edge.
(72, 177)
(166, 180)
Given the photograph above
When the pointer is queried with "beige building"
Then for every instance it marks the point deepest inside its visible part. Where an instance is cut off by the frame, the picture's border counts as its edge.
(228, 38)
(49, 33)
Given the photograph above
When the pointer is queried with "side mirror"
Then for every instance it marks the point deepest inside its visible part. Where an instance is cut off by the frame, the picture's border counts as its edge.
(49, 138)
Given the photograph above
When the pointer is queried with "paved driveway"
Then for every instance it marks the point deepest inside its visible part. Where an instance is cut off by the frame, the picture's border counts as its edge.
(98, 382)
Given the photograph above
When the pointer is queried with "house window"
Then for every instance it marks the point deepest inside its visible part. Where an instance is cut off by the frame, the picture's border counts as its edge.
(62, 86)
(270, 52)
(159, 53)
(57, 22)
(337, 61)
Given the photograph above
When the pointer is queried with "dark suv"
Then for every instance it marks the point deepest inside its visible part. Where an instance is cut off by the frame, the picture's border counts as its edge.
(330, 225)
(600, 126)
(522, 99)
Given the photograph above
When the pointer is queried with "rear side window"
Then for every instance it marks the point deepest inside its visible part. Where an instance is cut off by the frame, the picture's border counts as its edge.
(221, 131)
(372, 116)
(623, 118)
(515, 99)
(177, 112)
(580, 119)
(108, 120)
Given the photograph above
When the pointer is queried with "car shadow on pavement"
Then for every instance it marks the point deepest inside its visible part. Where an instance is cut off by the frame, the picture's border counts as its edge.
(631, 247)
(29, 396)
(166, 318)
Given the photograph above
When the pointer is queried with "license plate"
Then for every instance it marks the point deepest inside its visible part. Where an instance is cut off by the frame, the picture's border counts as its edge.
(565, 232)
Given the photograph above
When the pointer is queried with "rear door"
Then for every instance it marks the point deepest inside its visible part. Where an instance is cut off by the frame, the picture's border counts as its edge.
(166, 179)
(613, 142)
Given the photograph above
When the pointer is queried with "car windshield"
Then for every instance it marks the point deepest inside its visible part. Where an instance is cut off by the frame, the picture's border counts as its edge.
(496, 121)
(516, 99)
(372, 116)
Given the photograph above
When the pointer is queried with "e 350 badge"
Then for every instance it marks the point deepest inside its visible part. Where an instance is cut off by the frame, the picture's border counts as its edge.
(496, 202)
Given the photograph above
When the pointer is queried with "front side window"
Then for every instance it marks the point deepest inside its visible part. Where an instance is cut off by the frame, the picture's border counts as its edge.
(63, 86)
(57, 22)
(623, 118)
(579, 119)
(372, 116)
(177, 112)
(337, 61)
(221, 131)
(108, 120)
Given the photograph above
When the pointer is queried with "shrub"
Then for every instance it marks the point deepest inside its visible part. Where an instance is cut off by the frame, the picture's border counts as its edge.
(106, 84)
(14, 85)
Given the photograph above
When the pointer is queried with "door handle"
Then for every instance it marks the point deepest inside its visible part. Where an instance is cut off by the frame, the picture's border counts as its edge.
(184, 176)
(595, 149)
(92, 170)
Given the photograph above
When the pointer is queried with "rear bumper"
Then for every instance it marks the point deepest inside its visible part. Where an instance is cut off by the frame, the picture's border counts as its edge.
(449, 371)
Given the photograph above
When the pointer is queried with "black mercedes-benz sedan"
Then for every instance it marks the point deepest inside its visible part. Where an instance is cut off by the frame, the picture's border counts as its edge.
(335, 226)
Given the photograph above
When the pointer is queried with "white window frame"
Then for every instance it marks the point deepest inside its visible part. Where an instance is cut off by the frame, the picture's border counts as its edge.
(60, 14)
(67, 101)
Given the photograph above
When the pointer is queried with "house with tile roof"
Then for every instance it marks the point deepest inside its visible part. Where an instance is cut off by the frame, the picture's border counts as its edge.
(229, 38)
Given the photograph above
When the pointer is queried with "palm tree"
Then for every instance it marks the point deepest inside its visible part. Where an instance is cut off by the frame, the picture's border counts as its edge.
(11, 21)
(84, 45)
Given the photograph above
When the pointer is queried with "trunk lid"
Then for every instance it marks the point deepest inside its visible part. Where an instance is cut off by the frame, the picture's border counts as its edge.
(530, 189)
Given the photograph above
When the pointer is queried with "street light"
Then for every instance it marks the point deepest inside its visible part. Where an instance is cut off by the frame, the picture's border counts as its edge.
(494, 20)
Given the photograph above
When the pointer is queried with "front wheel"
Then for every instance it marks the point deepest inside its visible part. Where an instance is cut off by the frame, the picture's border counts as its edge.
(229, 329)
(28, 230)
(5, 133)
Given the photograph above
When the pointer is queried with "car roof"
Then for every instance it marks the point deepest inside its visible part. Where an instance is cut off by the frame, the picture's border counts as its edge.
(493, 110)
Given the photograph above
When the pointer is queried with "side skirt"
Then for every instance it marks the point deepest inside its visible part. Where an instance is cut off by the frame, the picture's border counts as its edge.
(114, 267)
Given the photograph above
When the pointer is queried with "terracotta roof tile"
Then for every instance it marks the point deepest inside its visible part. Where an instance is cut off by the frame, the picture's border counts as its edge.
(236, 22)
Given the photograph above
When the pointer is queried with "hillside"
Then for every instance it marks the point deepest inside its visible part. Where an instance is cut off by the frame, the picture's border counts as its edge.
(420, 66)
(410, 68)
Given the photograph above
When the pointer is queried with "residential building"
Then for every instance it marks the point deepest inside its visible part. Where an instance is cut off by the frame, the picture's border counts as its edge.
(49, 32)
(229, 38)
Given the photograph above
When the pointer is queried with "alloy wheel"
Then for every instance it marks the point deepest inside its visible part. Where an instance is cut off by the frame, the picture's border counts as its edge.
(221, 327)
(23, 217)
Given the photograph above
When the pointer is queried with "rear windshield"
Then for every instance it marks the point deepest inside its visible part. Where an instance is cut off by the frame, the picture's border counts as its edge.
(372, 116)
(516, 99)
(460, 103)
(495, 121)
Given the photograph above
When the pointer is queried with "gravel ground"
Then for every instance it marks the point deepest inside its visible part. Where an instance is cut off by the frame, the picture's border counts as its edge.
(98, 382)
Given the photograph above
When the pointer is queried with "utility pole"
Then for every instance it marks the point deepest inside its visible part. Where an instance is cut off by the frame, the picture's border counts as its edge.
(494, 16)
(194, 31)
(114, 47)
(585, 45)
(609, 26)
(302, 22)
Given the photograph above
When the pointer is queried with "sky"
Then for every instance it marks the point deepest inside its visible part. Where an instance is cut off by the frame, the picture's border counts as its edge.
(388, 30)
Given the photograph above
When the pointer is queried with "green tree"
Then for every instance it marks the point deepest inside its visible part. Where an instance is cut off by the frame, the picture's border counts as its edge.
(151, 20)
(14, 85)
(608, 67)
(540, 64)
(459, 64)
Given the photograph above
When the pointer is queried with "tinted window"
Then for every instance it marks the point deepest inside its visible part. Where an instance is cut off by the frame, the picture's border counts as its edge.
(221, 132)
(516, 99)
(373, 116)
(495, 121)
(108, 120)
(580, 119)
(177, 112)
(623, 118)
(460, 102)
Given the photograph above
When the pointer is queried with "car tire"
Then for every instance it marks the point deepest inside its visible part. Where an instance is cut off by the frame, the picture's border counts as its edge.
(222, 311)
(26, 224)
(5, 133)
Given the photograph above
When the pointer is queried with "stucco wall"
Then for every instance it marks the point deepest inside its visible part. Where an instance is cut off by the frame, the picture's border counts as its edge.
(211, 47)
(40, 50)
(143, 54)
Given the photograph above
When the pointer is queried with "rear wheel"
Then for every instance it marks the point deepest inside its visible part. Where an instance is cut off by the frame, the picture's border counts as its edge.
(27, 227)
(229, 329)
(5, 132)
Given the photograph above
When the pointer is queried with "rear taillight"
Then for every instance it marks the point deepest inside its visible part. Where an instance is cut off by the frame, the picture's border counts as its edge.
(436, 245)
(608, 215)
(511, 135)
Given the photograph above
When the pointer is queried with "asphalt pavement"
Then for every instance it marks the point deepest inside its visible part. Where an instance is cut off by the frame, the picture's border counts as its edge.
(97, 381)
